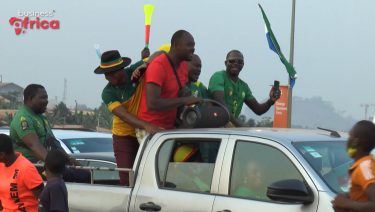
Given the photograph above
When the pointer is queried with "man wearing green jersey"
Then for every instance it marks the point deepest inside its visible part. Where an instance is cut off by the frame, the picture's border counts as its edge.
(195, 86)
(29, 127)
(226, 87)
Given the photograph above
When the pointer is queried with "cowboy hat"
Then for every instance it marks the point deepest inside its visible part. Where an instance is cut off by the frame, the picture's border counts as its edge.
(111, 61)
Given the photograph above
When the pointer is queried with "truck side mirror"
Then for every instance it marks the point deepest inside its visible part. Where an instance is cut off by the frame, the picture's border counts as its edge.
(290, 191)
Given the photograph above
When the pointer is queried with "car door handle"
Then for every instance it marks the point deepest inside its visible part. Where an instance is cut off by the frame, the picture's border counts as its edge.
(149, 206)
(226, 210)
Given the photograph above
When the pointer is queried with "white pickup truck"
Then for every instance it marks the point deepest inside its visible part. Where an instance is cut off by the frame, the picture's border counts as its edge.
(242, 169)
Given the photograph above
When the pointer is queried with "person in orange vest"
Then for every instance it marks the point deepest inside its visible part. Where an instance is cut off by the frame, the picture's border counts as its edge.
(361, 196)
(20, 182)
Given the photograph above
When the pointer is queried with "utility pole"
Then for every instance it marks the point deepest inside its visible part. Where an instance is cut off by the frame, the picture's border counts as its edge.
(291, 60)
(76, 111)
(97, 127)
(65, 90)
(366, 106)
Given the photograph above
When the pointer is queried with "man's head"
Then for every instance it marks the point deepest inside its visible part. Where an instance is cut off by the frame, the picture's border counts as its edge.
(55, 162)
(112, 66)
(6, 147)
(36, 98)
(234, 62)
(194, 68)
(182, 45)
(361, 138)
(253, 174)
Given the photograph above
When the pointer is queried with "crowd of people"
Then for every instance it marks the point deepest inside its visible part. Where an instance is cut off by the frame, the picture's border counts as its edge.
(144, 98)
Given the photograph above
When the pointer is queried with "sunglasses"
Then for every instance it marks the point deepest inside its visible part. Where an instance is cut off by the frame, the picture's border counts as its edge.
(238, 61)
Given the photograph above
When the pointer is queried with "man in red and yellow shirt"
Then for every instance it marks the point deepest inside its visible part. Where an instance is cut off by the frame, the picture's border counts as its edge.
(122, 97)
(165, 77)
(361, 196)
(20, 182)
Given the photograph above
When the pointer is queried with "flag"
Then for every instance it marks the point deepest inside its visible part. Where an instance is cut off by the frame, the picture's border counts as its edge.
(274, 46)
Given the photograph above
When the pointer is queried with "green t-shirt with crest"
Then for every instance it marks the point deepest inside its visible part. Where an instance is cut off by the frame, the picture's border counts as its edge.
(235, 93)
(24, 122)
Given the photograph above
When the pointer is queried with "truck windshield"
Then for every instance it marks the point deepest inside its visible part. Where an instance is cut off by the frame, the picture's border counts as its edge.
(329, 160)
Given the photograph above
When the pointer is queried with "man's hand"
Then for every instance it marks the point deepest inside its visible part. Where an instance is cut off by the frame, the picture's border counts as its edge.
(150, 128)
(137, 73)
(339, 204)
(274, 95)
(145, 53)
(190, 100)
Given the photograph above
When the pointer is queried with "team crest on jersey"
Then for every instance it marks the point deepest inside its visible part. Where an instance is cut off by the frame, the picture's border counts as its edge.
(24, 125)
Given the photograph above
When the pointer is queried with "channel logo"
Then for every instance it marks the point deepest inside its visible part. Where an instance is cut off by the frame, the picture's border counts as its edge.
(34, 21)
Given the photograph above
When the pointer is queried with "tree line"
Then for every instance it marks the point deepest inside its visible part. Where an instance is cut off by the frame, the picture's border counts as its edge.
(62, 115)
(101, 118)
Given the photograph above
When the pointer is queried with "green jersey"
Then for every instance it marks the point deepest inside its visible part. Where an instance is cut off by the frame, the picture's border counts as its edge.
(235, 93)
(197, 89)
(24, 122)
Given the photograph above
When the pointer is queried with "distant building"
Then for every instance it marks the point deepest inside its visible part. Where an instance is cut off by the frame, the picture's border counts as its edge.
(11, 91)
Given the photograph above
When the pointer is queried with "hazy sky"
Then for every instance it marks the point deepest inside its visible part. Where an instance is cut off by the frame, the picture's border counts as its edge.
(334, 44)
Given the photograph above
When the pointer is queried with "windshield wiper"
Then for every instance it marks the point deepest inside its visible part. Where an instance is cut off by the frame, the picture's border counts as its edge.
(333, 132)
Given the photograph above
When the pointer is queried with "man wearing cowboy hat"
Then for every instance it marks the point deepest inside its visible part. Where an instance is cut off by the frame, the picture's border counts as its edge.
(122, 99)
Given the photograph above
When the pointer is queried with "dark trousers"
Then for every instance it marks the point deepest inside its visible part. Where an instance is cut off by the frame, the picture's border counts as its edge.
(125, 148)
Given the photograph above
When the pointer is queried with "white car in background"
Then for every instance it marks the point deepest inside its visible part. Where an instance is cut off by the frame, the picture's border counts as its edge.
(77, 141)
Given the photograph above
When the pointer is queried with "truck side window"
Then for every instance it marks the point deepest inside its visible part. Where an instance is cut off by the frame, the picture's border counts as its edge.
(187, 165)
(255, 166)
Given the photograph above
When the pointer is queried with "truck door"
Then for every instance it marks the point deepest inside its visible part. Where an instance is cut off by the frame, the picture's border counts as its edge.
(180, 172)
(250, 166)
(105, 194)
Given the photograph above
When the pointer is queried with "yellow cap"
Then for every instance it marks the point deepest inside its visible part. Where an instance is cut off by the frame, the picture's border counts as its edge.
(183, 153)
(165, 47)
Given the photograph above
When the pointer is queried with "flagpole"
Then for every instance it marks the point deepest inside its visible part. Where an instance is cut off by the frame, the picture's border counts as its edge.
(291, 58)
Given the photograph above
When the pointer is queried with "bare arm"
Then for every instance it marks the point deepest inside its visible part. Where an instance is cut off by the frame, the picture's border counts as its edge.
(257, 108)
(260, 109)
(37, 190)
(124, 115)
(142, 68)
(156, 103)
(32, 141)
(342, 202)
(219, 96)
